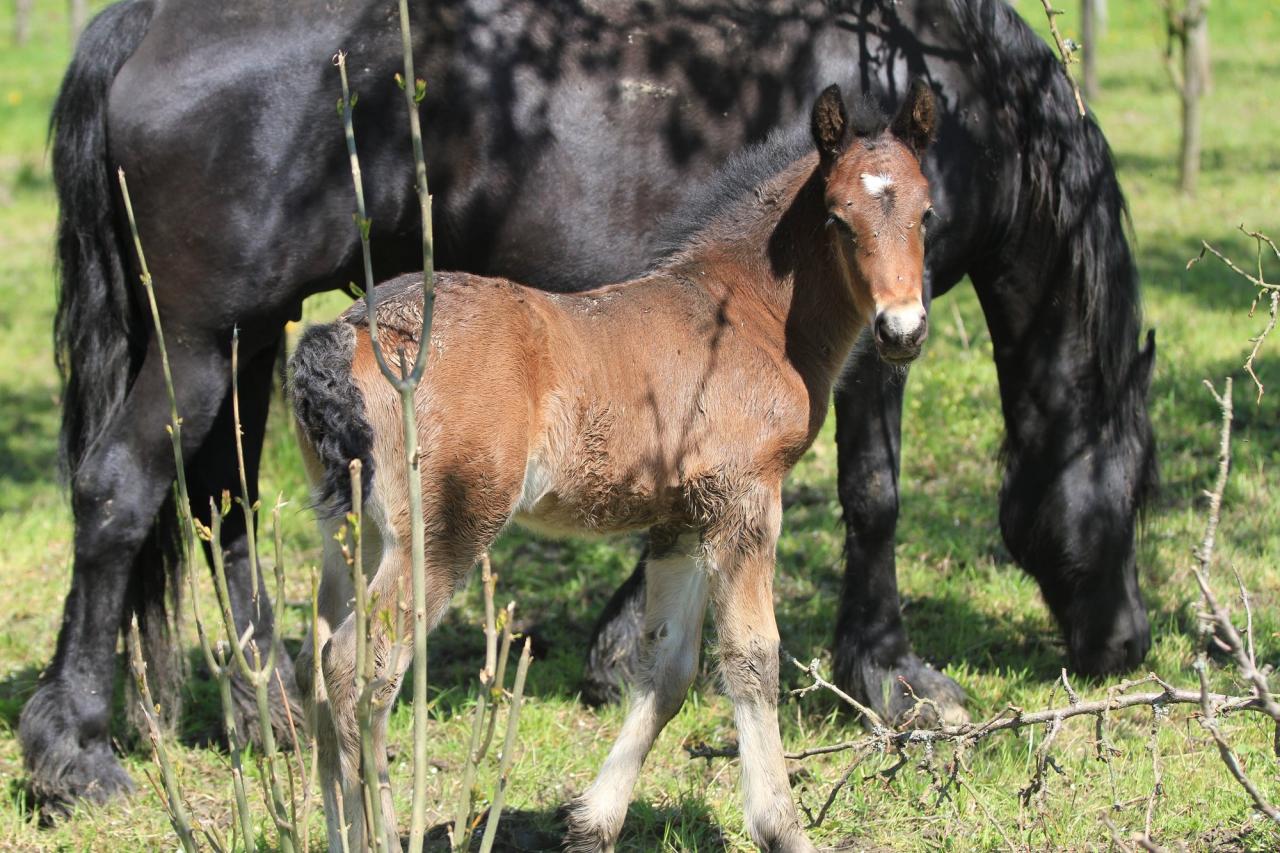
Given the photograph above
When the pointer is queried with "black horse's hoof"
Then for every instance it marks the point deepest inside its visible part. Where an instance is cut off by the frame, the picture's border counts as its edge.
(67, 758)
(905, 692)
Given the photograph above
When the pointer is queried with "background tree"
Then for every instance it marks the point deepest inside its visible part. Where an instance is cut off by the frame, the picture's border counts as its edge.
(79, 12)
(21, 22)
(1187, 25)
(1093, 22)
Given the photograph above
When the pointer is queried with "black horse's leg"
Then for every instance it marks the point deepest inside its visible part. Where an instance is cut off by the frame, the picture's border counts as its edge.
(873, 656)
(614, 656)
(119, 487)
(213, 470)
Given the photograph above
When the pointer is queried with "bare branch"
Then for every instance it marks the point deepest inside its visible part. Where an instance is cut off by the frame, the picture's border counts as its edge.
(1066, 50)
(1266, 289)
(1209, 721)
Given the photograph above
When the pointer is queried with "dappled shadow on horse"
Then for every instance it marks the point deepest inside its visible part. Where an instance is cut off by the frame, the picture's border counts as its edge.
(673, 403)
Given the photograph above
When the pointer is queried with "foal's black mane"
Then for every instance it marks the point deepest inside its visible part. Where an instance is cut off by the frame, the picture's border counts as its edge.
(745, 172)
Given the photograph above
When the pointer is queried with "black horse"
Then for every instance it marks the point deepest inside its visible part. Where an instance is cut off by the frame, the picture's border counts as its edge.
(562, 131)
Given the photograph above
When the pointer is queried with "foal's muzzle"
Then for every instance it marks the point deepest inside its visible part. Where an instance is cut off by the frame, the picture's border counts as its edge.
(900, 332)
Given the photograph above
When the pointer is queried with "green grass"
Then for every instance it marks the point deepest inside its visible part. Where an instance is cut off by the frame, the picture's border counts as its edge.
(967, 607)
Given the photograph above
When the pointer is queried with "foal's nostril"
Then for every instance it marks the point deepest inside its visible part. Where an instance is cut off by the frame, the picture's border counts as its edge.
(882, 327)
(921, 331)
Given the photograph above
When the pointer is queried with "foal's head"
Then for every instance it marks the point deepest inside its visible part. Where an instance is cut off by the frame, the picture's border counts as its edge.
(877, 202)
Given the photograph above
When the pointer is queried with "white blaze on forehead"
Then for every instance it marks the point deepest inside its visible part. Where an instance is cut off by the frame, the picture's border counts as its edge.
(876, 185)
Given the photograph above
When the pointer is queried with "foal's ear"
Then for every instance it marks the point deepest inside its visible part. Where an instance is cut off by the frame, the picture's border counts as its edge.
(830, 125)
(917, 118)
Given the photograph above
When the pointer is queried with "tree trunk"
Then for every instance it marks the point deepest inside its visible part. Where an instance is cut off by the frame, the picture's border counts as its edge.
(21, 22)
(1195, 65)
(1089, 34)
(79, 11)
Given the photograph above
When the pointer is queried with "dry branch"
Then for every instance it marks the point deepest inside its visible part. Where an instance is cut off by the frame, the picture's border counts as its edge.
(1268, 290)
(1211, 706)
(1066, 52)
(174, 803)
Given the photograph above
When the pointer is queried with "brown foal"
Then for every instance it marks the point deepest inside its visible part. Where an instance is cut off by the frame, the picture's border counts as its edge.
(674, 403)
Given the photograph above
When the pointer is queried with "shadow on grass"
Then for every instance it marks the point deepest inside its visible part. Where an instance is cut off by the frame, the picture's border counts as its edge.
(28, 444)
(685, 825)
(1209, 282)
(15, 689)
(519, 830)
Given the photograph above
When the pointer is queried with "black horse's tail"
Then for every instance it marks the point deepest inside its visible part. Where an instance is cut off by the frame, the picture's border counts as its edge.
(100, 332)
(330, 412)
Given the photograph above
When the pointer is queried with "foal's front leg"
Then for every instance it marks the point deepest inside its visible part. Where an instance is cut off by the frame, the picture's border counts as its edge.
(742, 560)
(675, 601)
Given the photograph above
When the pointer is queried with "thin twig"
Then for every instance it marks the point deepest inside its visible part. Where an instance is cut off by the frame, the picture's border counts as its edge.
(987, 813)
(1265, 288)
(508, 751)
(1208, 720)
(486, 702)
(1066, 51)
(405, 381)
(811, 669)
(1220, 621)
(190, 530)
(1157, 784)
(175, 806)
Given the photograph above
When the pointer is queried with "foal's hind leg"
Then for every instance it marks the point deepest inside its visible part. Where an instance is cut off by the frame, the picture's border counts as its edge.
(333, 608)
(676, 599)
(614, 657)
(338, 734)
(391, 641)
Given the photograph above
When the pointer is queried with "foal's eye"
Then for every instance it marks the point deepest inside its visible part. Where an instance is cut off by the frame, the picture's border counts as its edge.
(843, 226)
(929, 215)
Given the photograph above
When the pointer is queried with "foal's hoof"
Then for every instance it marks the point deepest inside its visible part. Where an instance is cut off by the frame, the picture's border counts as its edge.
(908, 692)
(586, 831)
(65, 763)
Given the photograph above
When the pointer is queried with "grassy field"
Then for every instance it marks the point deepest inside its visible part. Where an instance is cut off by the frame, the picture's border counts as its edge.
(969, 609)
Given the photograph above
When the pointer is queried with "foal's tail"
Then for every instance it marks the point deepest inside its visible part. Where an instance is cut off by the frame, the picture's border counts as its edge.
(329, 409)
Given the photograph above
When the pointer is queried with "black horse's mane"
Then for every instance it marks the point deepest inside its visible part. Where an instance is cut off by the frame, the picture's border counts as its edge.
(742, 174)
(1068, 179)
(1067, 182)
